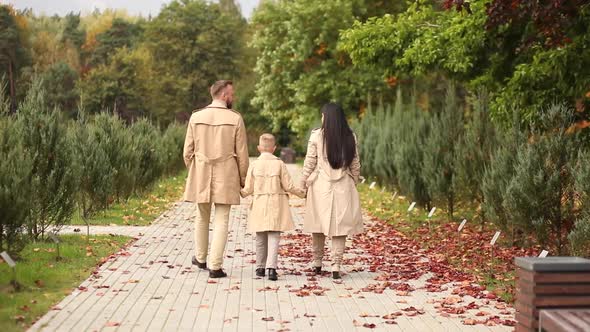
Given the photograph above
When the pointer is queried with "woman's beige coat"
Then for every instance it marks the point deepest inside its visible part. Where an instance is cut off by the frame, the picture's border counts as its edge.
(269, 182)
(333, 205)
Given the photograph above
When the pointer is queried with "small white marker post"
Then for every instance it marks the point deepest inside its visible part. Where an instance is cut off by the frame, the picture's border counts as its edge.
(6, 257)
(493, 243)
(543, 254)
(460, 228)
(55, 239)
(394, 195)
(430, 214)
(382, 190)
(363, 180)
(411, 207)
(372, 186)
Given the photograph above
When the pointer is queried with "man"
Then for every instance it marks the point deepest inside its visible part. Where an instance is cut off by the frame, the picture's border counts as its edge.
(216, 155)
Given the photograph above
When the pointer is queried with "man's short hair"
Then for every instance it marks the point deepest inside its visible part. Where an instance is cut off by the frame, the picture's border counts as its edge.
(267, 141)
(218, 87)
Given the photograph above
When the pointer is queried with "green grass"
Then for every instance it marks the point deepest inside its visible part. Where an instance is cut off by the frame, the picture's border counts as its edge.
(45, 281)
(143, 209)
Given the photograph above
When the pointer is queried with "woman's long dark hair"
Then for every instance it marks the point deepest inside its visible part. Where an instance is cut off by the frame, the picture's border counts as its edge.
(339, 142)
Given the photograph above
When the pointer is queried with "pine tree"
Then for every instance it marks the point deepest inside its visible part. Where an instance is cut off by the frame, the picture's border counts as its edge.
(579, 237)
(54, 174)
(16, 165)
(173, 141)
(440, 158)
(414, 126)
(540, 196)
(475, 150)
(148, 146)
(497, 177)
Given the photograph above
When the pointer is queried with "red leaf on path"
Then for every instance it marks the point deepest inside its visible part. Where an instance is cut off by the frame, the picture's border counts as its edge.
(211, 281)
(391, 322)
(308, 315)
(268, 319)
(356, 323)
(369, 326)
(112, 324)
(55, 308)
(469, 321)
(82, 288)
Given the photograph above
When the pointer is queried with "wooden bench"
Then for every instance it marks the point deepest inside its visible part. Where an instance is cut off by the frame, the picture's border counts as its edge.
(564, 320)
(551, 283)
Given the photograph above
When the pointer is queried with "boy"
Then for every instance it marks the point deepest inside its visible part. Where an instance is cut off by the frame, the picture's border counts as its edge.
(269, 182)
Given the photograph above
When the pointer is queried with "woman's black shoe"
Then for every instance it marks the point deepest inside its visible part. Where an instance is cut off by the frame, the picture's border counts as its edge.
(336, 275)
(217, 274)
(272, 274)
(317, 269)
(260, 272)
(202, 266)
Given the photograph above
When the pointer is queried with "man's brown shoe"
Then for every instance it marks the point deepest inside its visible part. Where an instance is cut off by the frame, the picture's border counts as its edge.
(217, 274)
(202, 266)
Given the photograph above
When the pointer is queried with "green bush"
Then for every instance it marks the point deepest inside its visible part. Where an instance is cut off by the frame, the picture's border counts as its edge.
(579, 237)
(441, 152)
(147, 144)
(54, 173)
(173, 141)
(118, 143)
(475, 150)
(96, 172)
(16, 165)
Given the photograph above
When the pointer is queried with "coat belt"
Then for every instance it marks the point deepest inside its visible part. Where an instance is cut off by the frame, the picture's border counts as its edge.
(203, 158)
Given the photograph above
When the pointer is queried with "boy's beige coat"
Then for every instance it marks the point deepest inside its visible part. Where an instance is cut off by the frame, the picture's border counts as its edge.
(269, 182)
(216, 155)
(333, 204)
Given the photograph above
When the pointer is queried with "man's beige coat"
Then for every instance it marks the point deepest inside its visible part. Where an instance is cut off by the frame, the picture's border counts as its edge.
(333, 204)
(216, 155)
(269, 182)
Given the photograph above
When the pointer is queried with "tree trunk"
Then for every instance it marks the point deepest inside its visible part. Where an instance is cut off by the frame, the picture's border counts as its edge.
(12, 87)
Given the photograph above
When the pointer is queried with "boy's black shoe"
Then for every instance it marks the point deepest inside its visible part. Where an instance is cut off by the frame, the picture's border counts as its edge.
(317, 270)
(272, 274)
(260, 272)
(336, 275)
(217, 274)
(202, 266)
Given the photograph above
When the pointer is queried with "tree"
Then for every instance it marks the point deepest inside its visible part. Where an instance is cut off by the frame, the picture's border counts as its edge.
(15, 171)
(72, 32)
(540, 196)
(59, 82)
(110, 133)
(299, 66)
(195, 43)
(120, 34)
(409, 159)
(54, 173)
(527, 56)
(148, 145)
(441, 151)
(96, 179)
(579, 237)
(124, 86)
(475, 150)
(13, 51)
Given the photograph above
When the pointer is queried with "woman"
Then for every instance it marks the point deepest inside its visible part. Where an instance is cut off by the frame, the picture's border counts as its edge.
(330, 173)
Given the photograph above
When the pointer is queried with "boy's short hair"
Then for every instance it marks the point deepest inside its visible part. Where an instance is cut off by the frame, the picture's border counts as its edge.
(267, 141)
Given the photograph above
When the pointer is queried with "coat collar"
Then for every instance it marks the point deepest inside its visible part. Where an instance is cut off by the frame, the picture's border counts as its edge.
(267, 156)
(218, 103)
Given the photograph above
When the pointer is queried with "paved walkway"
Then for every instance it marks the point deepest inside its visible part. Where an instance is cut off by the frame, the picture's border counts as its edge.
(153, 286)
